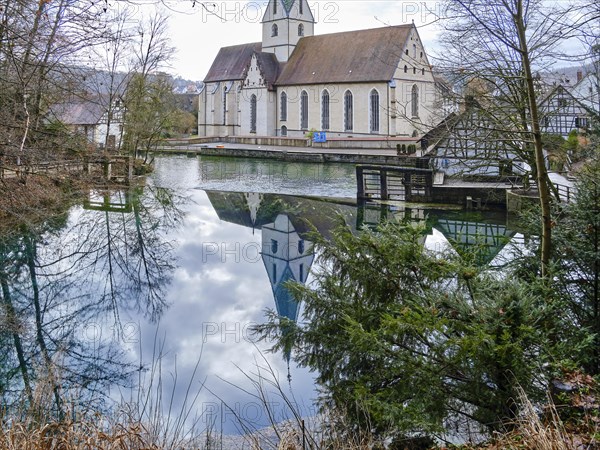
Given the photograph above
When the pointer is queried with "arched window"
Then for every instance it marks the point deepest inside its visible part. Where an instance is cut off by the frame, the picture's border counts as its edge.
(253, 114)
(414, 50)
(224, 105)
(274, 30)
(300, 7)
(374, 113)
(283, 130)
(283, 111)
(274, 246)
(414, 70)
(422, 71)
(325, 110)
(414, 101)
(405, 69)
(304, 110)
(348, 111)
(300, 30)
(275, 6)
(301, 246)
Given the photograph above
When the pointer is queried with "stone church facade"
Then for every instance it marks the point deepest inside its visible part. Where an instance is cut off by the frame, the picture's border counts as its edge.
(366, 83)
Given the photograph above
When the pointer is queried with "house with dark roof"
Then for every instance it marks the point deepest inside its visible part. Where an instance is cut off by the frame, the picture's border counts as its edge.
(91, 117)
(374, 83)
(469, 143)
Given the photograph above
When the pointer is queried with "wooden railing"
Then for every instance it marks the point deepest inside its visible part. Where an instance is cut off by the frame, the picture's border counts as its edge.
(101, 164)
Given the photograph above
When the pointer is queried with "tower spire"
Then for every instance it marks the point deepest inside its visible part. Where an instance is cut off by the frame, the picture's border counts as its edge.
(284, 23)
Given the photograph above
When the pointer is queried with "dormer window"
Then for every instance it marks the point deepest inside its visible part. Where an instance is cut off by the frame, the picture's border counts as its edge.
(274, 30)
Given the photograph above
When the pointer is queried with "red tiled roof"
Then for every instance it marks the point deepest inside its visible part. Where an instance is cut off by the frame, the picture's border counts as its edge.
(231, 62)
(348, 57)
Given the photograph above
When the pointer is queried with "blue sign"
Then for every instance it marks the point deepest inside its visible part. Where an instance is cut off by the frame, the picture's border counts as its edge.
(319, 136)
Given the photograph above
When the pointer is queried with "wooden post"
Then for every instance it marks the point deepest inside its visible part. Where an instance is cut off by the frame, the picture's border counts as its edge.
(383, 184)
(107, 168)
(360, 183)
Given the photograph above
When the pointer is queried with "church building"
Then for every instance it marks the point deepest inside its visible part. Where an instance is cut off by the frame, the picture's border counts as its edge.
(367, 83)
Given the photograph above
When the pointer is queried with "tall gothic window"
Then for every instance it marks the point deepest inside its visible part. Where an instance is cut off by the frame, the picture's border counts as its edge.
(414, 101)
(348, 111)
(253, 114)
(274, 30)
(300, 7)
(300, 30)
(283, 112)
(374, 106)
(224, 106)
(304, 110)
(325, 110)
(275, 6)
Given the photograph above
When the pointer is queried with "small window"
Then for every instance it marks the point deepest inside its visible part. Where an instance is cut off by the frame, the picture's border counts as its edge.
(301, 246)
(253, 114)
(414, 70)
(283, 115)
(374, 107)
(283, 130)
(275, 6)
(421, 54)
(405, 69)
(325, 110)
(300, 7)
(414, 100)
(422, 71)
(304, 110)
(300, 30)
(407, 51)
(274, 246)
(274, 30)
(348, 111)
(301, 273)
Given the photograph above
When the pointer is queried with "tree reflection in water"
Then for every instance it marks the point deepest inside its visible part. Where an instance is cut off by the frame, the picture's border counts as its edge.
(63, 285)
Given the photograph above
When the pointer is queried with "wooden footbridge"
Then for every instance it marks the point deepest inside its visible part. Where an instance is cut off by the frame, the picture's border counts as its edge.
(110, 167)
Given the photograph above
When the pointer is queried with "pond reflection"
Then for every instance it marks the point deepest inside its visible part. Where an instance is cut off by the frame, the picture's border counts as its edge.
(173, 275)
(65, 282)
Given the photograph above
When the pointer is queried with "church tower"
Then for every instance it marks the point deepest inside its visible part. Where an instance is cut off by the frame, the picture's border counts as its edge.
(284, 23)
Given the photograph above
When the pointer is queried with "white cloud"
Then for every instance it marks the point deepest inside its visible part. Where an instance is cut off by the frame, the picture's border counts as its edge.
(199, 32)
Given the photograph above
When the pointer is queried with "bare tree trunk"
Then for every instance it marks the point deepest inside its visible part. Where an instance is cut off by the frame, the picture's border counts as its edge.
(30, 246)
(541, 172)
(14, 327)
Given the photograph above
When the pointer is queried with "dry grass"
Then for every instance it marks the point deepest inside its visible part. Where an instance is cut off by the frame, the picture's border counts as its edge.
(548, 431)
(75, 436)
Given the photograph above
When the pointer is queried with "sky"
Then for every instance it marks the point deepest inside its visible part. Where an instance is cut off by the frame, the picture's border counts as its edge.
(198, 32)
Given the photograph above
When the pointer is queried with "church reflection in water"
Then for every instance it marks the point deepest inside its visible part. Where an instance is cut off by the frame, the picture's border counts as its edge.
(284, 223)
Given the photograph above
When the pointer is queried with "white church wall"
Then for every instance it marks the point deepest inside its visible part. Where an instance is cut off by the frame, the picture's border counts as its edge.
(361, 108)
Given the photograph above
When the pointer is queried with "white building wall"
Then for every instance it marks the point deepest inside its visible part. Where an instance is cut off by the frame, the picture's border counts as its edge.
(414, 70)
(361, 108)
(255, 84)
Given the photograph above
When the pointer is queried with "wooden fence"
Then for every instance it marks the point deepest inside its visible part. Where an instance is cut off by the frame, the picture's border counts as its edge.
(115, 167)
